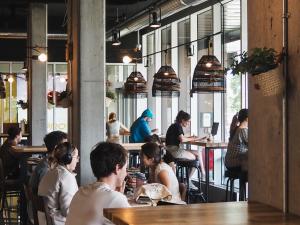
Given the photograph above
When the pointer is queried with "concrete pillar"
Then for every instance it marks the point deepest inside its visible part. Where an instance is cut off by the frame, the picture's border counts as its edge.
(38, 90)
(87, 42)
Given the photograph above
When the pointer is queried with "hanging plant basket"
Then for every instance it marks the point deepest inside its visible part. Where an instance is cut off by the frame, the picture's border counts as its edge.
(270, 83)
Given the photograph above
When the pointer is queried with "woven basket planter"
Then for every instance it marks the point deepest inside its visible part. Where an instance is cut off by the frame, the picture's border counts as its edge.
(270, 83)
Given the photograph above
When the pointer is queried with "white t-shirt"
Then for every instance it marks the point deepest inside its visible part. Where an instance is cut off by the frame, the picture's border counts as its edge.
(174, 189)
(87, 205)
(58, 186)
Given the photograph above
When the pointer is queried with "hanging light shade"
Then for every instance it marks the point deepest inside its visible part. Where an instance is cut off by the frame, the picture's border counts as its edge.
(116, 37)
(166, 83)
(154, 18)
(208, 76)
(135, 86)
(2, 89)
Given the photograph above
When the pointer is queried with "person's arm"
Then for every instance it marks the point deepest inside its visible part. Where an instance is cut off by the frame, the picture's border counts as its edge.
(164, 178)
(192, 138)
(68, 189)
(125, 129)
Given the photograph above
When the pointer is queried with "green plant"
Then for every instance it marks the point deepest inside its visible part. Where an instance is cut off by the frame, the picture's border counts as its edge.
(110, 94)
(259, 61)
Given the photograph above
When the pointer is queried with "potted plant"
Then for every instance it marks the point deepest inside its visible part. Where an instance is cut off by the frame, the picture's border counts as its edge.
(110, 96)
(262, 64)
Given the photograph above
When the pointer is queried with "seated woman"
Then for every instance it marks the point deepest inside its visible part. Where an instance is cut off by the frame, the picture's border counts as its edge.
(160, 172)
(59, 184)
(113, 128)
(236, 155)
(175, 136)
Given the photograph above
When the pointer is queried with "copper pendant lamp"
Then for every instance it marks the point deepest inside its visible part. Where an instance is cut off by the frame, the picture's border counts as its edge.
(208, 75)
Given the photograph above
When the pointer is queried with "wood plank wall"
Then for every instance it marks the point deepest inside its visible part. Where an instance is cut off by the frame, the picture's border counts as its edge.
(266, 184)
(294, 105)
(265, 113)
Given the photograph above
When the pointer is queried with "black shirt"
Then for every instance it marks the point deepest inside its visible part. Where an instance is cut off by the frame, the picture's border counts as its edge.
(10, 159)
(173, 133)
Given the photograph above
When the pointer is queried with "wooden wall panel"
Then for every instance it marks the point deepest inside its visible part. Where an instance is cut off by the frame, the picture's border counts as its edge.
(265, 113)
(294, 106)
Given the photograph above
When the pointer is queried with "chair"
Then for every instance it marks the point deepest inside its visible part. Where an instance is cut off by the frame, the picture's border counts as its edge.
(40, 204)
(182, 190)
(10, 194)
(182, 173)
(232, 176)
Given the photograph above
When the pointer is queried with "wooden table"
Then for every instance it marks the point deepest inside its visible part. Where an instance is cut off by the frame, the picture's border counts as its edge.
(230, 213)
(132, 146)
(30, 149)
(208, 146)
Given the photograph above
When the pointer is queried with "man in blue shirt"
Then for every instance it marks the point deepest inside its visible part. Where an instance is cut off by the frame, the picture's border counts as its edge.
(140, 129)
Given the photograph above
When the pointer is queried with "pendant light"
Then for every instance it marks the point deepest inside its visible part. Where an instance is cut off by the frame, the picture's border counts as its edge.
(135, 85)
(154, 18)
(165, 82)
(116, 36)
(208, 75)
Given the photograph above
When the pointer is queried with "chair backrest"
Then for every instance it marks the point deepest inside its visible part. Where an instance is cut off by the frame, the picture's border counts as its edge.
(182, 190)
(34, 203)
(44, 202)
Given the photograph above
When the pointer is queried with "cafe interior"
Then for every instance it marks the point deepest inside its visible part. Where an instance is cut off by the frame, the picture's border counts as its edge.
(79, 66)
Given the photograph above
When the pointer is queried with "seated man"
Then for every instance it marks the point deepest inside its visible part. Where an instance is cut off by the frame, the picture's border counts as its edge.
(11, 159)
(51, 140)
(108, 162)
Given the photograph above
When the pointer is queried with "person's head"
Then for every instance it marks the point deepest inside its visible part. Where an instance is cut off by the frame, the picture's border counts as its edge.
(66, 154)
(147, 115)
(54, 138)
(243, 115)
(109, 159)
(151, 154)
(14, 133)
(154, 139)
(183, 118)
(112, 117)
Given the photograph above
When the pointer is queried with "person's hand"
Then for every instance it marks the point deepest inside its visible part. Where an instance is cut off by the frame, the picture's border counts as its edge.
(122, 187)
(154, 130)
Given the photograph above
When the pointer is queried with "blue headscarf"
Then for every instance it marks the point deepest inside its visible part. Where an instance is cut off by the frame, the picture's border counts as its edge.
(147, 113)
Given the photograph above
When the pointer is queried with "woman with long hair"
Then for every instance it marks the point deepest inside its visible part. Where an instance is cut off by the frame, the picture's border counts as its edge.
(236, 155)
(175, 136)
(152, 156)
(113, 128)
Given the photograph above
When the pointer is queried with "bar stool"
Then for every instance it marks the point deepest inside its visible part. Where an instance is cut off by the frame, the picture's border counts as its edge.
(232, 176)
(183, 166)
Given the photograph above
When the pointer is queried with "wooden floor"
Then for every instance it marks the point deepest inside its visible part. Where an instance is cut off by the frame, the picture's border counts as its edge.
(232, 213)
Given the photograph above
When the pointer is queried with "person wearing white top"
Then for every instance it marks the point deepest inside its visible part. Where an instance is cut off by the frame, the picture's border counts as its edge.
(160, 172)
(113, 128)
(109, 163)
(59, 184)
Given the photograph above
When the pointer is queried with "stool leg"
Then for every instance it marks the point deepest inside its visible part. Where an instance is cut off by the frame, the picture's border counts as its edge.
(227, 186)
(231, 189)
(188, 184)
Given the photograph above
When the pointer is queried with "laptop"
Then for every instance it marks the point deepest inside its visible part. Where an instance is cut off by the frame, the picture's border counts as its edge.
(214, 128)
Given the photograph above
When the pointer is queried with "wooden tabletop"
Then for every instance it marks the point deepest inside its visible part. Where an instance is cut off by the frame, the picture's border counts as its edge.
(132, 146)
(30, 149)
(230, 213)
(208, 144)
(2, 135)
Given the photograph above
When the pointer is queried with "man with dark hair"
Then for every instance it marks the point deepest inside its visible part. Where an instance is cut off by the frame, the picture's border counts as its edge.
(51, 140)
(108, 162)
(11, 159)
